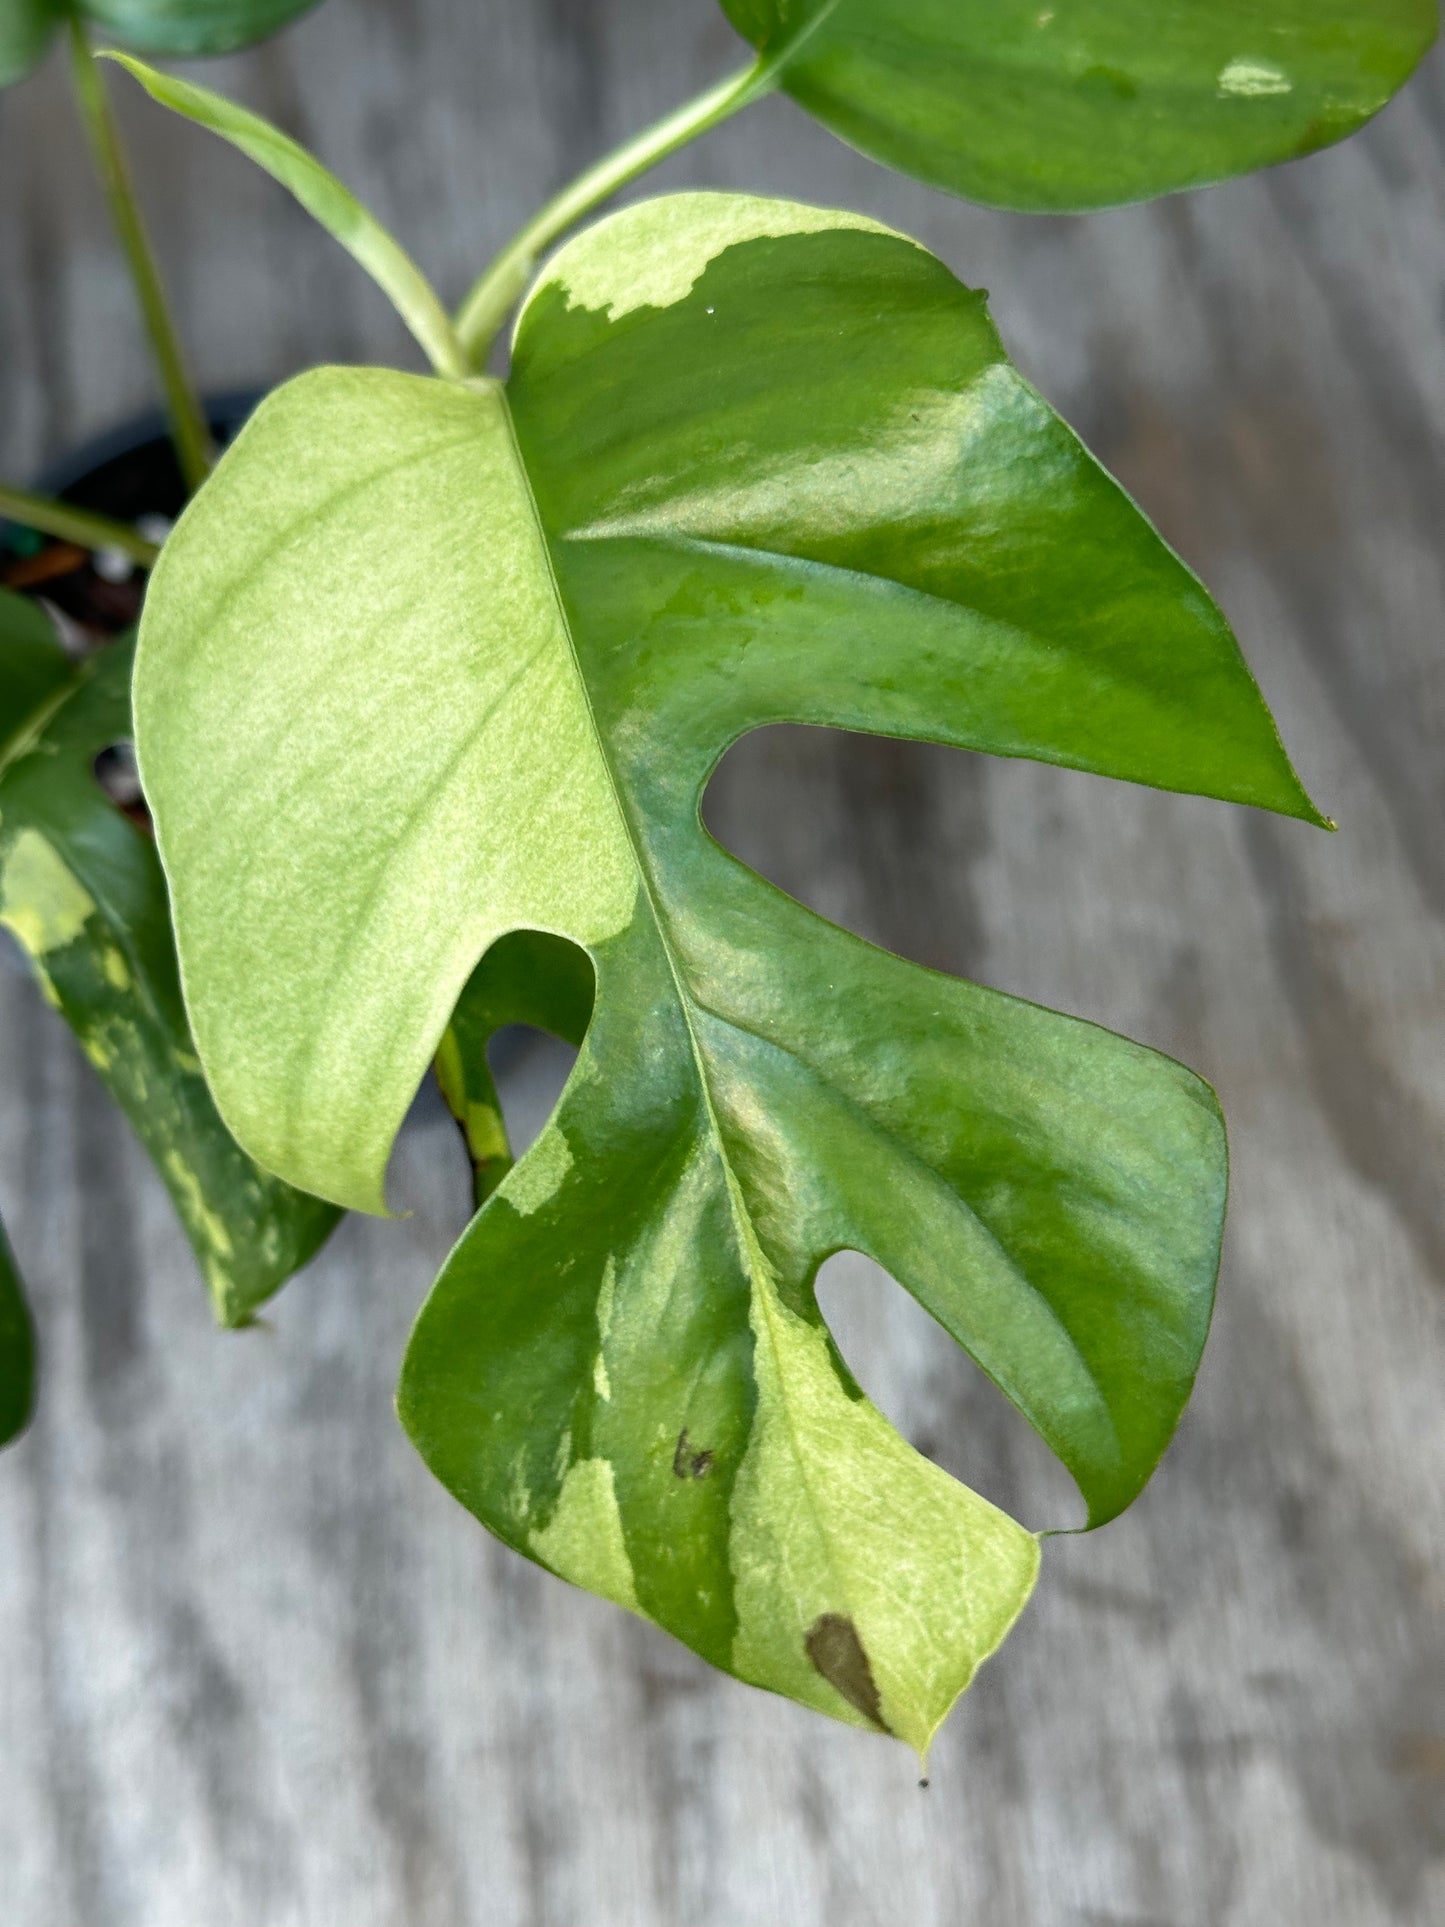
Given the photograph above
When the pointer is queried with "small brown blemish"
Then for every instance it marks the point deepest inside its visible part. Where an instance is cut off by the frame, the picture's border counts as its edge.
(836, 1650)
(688, 1464)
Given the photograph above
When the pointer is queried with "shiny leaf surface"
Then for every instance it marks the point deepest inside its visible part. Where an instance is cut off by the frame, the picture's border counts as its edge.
(17, 1349)
(82, 892)
(428, 664)
(1086, 103)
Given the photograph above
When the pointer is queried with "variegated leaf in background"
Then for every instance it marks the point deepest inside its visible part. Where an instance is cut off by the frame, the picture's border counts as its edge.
(83, 894)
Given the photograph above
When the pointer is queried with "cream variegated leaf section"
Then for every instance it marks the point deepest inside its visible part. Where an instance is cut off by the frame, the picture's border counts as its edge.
(653, 254)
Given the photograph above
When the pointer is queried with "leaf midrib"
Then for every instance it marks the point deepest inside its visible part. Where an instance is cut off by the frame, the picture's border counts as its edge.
(790, 49)
(416, 821)
(749, 1245)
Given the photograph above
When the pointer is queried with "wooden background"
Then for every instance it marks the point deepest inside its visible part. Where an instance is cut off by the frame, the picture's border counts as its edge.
(257, 1669)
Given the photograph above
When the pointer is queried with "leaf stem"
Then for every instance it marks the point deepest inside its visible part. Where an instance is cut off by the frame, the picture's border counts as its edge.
(68, 524)
(187, 422)
(497, 291)
(326, 199)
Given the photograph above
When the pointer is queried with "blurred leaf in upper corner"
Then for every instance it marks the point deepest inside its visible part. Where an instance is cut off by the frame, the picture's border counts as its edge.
(1058, 105)
(26, 28)
(174, 28)
(17, 1349)
(180, 28)
(82, 891)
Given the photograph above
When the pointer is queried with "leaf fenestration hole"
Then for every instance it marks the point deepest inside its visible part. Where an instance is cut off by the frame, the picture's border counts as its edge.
(530, 1068)
(934, 1394)
(875, 834)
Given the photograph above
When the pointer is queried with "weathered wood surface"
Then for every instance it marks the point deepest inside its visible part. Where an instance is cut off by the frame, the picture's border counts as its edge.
(255, 1668)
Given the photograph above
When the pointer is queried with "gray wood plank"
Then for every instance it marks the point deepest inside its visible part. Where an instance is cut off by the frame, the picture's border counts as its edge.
(258, 1668)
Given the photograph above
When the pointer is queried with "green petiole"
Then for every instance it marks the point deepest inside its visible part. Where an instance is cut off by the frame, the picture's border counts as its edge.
(327, 199)
(482, 315)
(68, 524)
(497, 291)
(188, 426)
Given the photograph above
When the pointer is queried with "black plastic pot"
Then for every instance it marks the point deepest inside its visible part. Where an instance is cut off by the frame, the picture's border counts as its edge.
(129, 474)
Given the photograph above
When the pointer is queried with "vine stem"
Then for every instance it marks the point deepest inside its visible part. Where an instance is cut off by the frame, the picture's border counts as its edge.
(68, 524)
(496, 293)
(188, 427)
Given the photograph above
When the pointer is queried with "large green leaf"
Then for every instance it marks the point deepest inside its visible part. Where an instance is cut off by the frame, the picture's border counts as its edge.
(17, 1349)
(26, 29)
(82, 891)
(428, 663)
(1063, 104)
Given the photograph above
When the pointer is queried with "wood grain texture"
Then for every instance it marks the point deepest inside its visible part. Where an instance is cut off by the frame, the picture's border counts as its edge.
(257, 1670)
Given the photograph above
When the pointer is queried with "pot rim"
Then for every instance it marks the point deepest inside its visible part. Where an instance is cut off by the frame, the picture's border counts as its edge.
(226, 411)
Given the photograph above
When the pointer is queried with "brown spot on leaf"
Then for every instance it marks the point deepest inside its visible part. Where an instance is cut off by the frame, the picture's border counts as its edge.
(836, 1650)
(687, 1463)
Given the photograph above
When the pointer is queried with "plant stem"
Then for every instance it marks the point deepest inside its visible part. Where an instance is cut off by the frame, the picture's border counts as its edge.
(496, 293)
(187, 423)
(69, 524)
